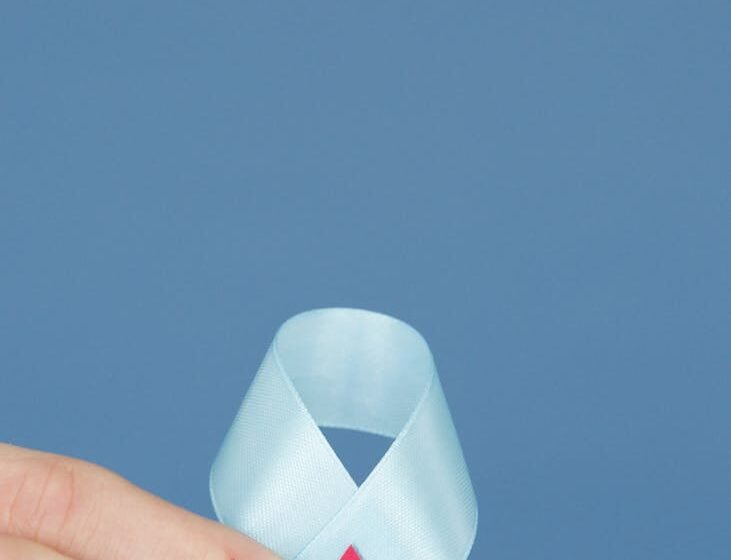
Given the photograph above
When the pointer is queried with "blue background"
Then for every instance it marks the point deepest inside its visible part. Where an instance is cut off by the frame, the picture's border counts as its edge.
(542, 190)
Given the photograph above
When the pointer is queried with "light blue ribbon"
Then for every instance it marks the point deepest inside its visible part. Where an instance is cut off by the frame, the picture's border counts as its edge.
(277, 479)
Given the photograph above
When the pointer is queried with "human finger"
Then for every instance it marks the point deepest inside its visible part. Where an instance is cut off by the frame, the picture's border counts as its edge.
(89, 513)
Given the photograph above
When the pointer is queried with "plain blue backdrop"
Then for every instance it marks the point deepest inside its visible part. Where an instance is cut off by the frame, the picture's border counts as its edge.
(542, 189)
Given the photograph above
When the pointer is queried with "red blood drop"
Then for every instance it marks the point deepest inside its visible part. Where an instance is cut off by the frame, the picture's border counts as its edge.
(350, 554)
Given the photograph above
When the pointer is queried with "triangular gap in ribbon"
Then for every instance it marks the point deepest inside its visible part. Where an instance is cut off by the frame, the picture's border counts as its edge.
(358, 451)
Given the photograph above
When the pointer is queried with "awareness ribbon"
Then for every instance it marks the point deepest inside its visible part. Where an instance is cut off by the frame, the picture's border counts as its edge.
(277, 479)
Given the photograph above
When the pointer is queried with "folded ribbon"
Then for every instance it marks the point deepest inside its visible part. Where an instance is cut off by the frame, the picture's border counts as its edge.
(277, 479)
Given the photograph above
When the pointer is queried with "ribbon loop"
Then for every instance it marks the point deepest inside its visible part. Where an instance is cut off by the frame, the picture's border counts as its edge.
(277, 479)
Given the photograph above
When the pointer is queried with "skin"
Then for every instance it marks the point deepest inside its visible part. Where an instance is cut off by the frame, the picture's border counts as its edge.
(57, 508)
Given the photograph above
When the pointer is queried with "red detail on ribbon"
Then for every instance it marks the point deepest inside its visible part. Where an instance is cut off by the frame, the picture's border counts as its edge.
(350, 554)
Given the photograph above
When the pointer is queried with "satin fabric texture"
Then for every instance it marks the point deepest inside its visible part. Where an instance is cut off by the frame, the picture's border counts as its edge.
(277, 479)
